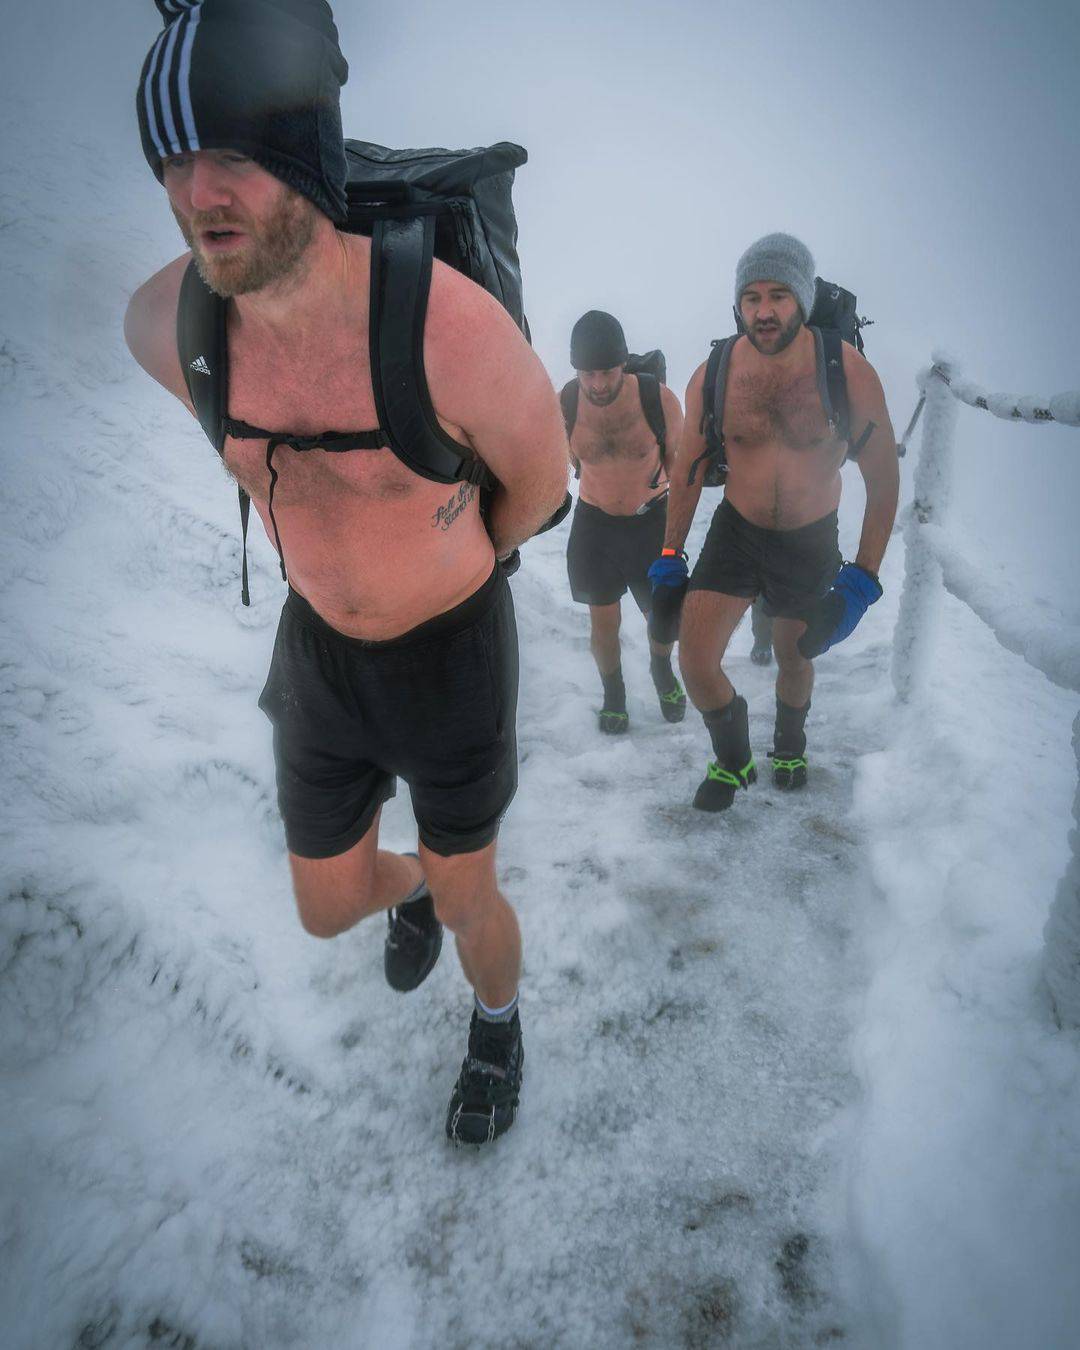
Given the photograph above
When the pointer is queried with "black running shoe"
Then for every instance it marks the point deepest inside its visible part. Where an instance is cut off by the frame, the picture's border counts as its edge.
(761, 653)
(413, 943)
(614, 723)
(673, 704)
(484, 1101)
(788, 772)
(717, 789)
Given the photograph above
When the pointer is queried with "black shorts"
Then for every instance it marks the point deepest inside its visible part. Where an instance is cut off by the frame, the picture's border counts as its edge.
(606, 555)
(436, 707)
(789, 569)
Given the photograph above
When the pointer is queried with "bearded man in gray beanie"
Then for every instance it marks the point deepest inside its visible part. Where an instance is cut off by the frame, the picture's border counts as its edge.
(774, 533)
(396, 654)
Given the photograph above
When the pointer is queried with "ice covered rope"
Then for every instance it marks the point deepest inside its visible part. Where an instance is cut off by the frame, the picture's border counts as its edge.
(1063, 408)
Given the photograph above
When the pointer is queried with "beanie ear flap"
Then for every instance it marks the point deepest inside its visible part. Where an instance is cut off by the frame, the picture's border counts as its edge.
(172, 9)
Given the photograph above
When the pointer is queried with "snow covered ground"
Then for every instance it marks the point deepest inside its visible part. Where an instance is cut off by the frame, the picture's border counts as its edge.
(791, 1076)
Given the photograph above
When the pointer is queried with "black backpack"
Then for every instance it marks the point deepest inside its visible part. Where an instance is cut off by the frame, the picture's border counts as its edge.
(833, 320)
(651, 372)
(415, 205)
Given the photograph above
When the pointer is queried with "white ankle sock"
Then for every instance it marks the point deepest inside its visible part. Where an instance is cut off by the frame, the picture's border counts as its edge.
(487, 1014)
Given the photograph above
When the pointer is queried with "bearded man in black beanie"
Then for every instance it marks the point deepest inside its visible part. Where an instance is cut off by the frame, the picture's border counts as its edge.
(619, 520)
(396, 654)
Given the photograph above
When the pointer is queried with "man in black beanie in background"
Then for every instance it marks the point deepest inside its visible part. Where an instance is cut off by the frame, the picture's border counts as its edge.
(396, 654)
(619, 520)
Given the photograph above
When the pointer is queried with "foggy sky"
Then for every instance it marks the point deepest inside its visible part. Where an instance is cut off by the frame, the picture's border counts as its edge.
(925, 153)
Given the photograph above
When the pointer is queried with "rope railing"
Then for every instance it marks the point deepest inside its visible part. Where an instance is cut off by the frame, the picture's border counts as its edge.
(933, 563)
(1062, 408)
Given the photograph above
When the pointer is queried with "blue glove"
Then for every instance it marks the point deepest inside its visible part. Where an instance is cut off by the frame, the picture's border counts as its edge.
(671, 571)
(670, 578)
(834, 616)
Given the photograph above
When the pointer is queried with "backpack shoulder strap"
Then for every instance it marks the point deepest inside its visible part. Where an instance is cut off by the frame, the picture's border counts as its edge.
(203, 348)
(204, 353)
(652, 406)
(832, 382)
(568, 400)
(713, 393)
(402, 251)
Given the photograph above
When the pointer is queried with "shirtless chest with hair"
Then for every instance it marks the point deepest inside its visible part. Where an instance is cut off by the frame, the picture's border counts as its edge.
(783, 457)
(375, 548)
(617, 452)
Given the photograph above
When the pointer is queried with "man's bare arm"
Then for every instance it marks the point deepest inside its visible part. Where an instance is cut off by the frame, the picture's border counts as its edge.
(486, 379)
(150, 328)
(877, 460)
(673, 425)
(684, 496)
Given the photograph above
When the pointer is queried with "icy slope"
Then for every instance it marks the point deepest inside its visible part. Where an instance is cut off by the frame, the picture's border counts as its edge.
(219, 1128)
(789, 1080)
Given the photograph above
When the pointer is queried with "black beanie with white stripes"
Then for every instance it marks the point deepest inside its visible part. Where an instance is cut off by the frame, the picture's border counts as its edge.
(262, 77)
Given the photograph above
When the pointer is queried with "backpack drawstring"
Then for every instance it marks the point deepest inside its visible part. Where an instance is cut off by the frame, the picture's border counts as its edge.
(271, 445)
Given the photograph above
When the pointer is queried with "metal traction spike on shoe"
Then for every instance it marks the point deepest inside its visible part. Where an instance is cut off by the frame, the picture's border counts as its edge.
(614, 723)
(484, 1102)
(741, 778)
(788, 773)
(717, 790)
(673, 704)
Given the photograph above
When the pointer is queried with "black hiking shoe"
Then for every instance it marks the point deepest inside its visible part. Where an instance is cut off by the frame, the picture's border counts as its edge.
(761, 654)
(413, 943)
(673, 704)
(484, 1101)
(788, 771)
(717, 789)
(614, 723)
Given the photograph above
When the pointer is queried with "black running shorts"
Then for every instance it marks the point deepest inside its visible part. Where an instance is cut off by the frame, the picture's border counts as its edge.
(789, 569)
(606, 555)
(436, 707)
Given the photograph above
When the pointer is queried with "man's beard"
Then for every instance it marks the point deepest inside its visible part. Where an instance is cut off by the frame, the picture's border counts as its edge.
(605, 400)
(269, 252)
(778, 339)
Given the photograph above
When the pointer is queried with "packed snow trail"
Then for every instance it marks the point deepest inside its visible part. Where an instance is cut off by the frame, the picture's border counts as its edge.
(224, 1130)
(219, 1132)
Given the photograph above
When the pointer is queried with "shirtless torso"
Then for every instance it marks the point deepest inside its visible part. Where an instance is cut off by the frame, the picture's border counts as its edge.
(372, 546)
(617, 451)
(783, 457)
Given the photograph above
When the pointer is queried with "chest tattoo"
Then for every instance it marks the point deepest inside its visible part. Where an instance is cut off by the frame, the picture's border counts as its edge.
(444, 516)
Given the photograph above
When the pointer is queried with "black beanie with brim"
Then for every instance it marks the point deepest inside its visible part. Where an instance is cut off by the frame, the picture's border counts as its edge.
(262, 77)
(597, 342)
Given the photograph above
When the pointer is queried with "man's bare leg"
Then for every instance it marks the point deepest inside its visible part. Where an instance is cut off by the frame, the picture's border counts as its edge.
(795, 674)
(762, 626)
(484, 1100)
(604, 624)
(708, 620)
(333, 894)
(794, 685)
(468, 901)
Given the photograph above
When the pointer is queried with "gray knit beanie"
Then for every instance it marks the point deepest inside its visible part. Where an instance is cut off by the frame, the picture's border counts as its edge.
(778, 257)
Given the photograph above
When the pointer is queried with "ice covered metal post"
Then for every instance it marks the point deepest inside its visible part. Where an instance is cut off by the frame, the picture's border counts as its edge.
(921, 596)
(1062, 930)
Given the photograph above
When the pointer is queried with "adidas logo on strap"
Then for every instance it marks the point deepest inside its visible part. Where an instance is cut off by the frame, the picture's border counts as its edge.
(199, 366)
